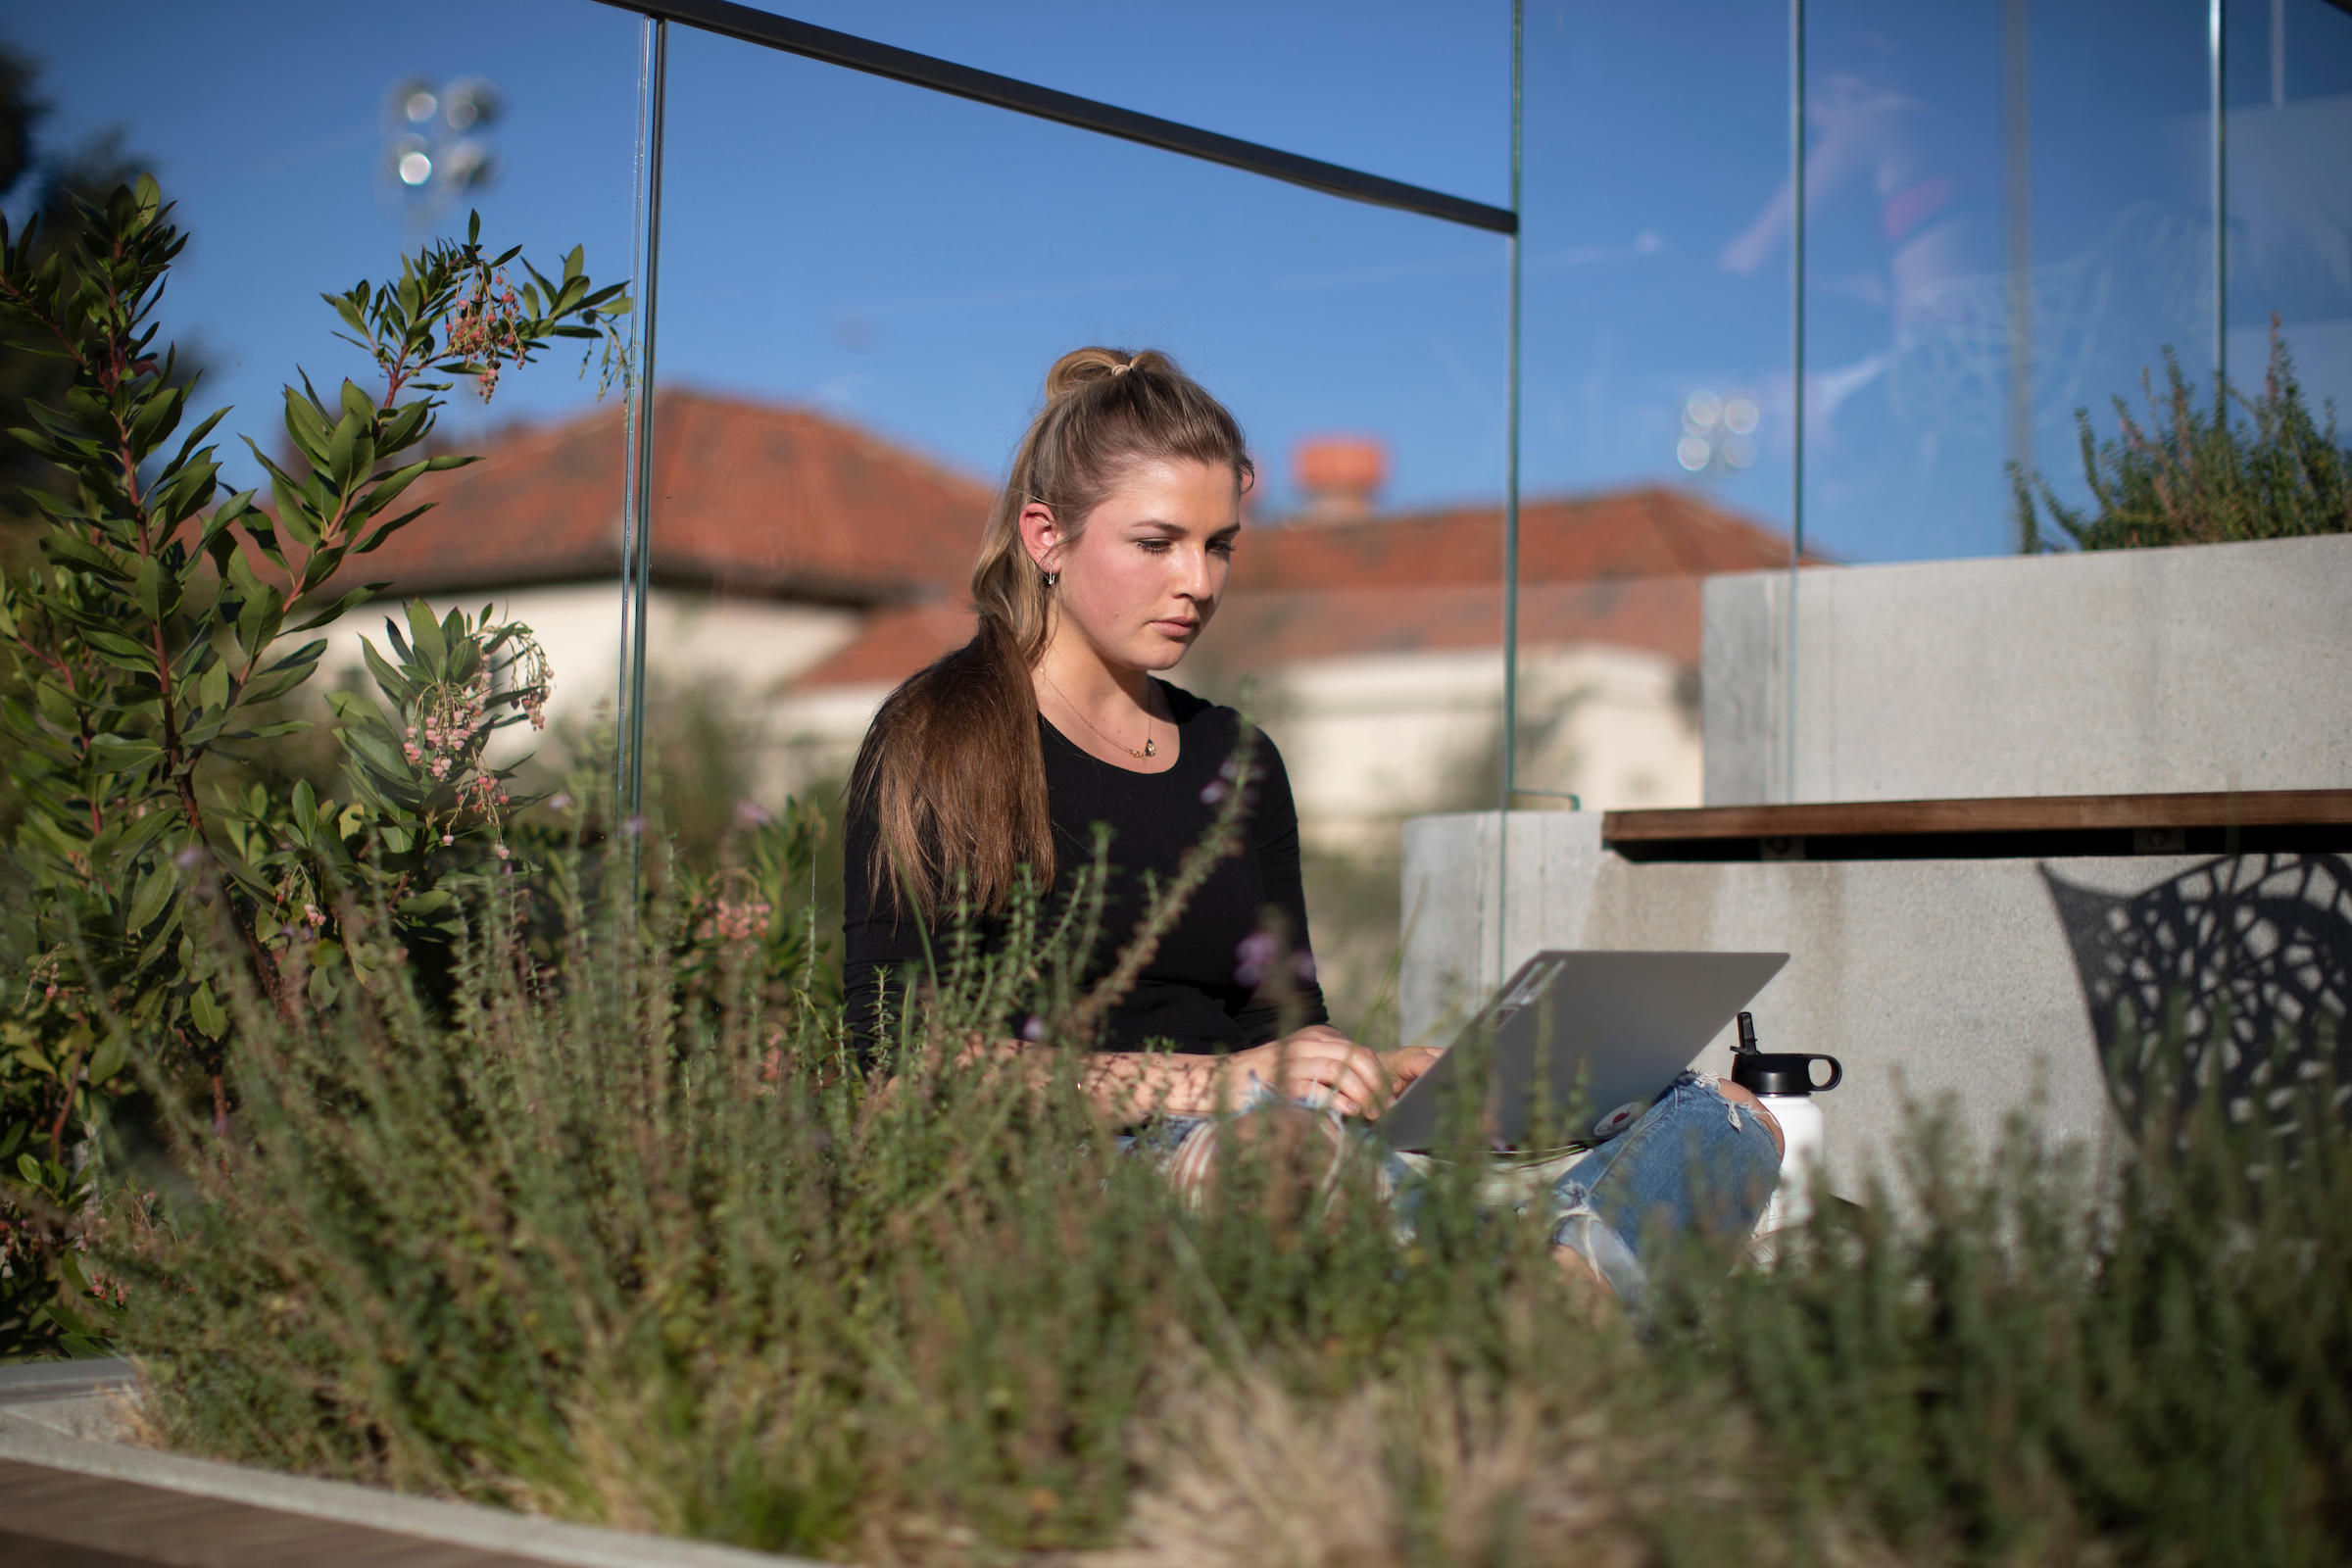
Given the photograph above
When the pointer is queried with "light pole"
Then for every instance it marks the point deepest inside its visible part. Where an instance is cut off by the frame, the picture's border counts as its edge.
(435, 149)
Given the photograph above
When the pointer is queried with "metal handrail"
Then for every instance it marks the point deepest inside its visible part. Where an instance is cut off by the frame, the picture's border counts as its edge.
(812, 42)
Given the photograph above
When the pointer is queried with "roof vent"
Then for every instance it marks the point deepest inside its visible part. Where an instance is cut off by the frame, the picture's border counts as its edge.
(1338, 475)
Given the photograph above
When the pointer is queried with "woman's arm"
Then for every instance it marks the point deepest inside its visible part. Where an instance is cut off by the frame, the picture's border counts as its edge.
(1317, 1063)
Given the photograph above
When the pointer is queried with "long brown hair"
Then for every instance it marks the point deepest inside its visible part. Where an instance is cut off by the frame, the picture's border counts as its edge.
(951, 769)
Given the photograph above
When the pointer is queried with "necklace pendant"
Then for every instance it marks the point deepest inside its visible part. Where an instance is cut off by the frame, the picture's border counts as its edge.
(1150, 747)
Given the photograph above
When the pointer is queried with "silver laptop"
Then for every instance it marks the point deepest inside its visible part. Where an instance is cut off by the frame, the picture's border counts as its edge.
(1605, 1032)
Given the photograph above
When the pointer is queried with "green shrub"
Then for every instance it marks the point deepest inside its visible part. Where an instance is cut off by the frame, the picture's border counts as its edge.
(635, 1245)
(160, 636)
(2051, 1360)
(632, 1243)
(2192, 477)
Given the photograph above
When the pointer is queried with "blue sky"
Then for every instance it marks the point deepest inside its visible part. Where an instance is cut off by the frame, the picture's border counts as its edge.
(912, 262)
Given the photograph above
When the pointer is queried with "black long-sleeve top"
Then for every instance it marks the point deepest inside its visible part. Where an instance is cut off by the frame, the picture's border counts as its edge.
(1208, 988)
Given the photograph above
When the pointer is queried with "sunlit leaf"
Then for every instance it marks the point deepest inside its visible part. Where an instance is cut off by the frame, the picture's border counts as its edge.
(209, 1016)
(108, 1057)
(155, 890)
(424, 632)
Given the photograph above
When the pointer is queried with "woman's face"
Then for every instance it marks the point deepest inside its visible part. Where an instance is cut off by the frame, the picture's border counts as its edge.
(1140, 582)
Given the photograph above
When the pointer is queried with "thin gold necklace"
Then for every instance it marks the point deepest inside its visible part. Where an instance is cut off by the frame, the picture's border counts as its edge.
(1150, 750)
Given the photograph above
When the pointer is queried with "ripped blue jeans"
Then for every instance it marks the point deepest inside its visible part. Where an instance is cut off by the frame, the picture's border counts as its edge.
(1692, 1165)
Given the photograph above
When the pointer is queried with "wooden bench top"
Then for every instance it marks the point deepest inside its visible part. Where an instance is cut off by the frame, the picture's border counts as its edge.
(2047, 824)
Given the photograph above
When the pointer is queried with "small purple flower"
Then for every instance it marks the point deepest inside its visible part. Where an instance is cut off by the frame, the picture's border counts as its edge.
(634, 826)
(1212, 792)
(1034, 1030)
(189, 859)
(560, 801)
(750, 815)
(1258, 953)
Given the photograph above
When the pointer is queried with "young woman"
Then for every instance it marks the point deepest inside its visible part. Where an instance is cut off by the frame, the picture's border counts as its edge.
(1102, 563)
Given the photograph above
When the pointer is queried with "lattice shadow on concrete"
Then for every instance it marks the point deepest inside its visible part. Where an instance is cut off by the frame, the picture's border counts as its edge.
(2236, 973)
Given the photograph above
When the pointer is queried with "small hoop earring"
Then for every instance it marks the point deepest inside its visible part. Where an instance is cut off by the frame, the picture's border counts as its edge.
(1053, 577)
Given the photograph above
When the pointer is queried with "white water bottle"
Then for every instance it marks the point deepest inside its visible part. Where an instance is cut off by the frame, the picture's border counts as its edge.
(1783, 1082)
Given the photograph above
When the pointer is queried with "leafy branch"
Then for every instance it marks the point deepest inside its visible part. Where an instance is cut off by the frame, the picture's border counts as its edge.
(166, 622)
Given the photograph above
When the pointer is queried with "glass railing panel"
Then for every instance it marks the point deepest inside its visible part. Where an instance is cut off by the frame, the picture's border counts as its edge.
(849, 356)
(1657, 435)
(2011, 246)
(2289, 193)
(2009, 219)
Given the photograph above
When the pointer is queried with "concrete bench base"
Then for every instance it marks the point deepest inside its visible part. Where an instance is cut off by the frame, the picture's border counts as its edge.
(1991, 979)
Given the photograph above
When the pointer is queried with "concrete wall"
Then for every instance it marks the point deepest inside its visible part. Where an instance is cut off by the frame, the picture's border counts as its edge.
(1919, 975)
(2201, 667)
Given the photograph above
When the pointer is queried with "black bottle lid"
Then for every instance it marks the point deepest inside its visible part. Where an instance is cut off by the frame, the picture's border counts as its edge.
(1786, 1072)
(1776, 1072)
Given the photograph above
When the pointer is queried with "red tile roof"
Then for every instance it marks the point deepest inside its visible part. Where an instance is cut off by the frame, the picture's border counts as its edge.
(894, 644)
(788, 503)
(747, 498)
(1260, 630)
(1649, 532)
(1621, 568)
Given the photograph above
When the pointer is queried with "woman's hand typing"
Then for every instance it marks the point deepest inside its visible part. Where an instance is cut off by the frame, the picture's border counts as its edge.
(1321, 1064)
(1408, 1063)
